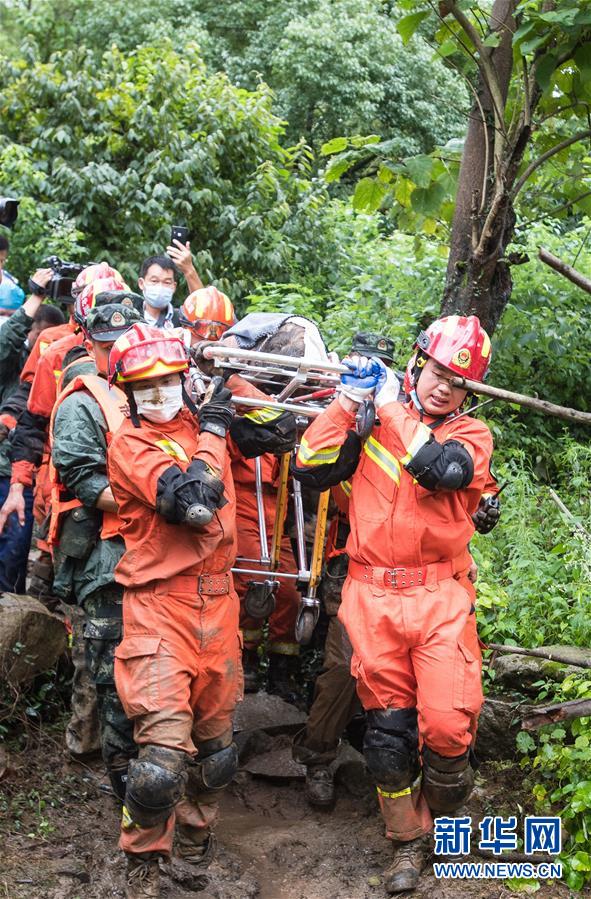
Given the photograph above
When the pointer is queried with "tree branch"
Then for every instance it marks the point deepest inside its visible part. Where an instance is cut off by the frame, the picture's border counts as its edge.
(488, 72)
(564, 269)
(581, 135)
(555, 211)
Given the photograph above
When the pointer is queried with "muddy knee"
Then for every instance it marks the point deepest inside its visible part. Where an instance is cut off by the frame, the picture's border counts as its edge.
(155, 782)
(447, 781)
(390, 747)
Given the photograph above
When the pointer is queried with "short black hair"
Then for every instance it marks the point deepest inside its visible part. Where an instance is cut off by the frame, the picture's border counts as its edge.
(163, 261)
(49, 314)
(4, 245)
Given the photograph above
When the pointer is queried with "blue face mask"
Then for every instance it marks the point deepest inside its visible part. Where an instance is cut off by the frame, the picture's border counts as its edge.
(158, 296)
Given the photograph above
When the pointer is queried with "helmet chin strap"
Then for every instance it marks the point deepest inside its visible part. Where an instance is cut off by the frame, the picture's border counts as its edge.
(133, 413)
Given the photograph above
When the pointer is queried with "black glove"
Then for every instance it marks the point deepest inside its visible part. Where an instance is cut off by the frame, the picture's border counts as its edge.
(189, 497)
(254, 439)
(4, 432)
(487, 514)
(217, 413)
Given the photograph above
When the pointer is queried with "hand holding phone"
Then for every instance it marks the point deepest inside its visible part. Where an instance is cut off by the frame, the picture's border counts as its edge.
(180, 233)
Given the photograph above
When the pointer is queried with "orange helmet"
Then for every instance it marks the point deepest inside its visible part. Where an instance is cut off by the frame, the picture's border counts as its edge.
(86, 299)
(208, 312)
(93, 273)
(457, 342)
(146, 352)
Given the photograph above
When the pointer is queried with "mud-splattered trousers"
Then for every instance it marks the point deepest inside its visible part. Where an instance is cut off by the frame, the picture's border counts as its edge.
(102, 634)
(179, 675)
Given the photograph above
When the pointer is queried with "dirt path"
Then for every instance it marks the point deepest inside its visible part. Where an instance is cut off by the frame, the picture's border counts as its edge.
(58, 832)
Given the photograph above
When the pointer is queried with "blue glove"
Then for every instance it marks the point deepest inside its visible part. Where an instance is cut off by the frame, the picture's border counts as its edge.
(363, 379)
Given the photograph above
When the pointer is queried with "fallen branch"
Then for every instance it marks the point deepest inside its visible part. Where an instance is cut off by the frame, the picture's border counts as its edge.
(551, 656)
(540, 715)
(564, 269)
(521, 399)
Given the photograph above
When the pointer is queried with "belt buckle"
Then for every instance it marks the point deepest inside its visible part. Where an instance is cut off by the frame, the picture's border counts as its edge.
(391, 576)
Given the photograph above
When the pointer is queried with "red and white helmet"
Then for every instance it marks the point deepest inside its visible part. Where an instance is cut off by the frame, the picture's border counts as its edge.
(457, 342)
(146, 352)
(86, 299)
(208, 313)
(93, 273)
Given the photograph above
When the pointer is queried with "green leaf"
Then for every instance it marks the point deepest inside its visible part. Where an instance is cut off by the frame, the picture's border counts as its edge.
(420, 168)
(534, 43)
(544, 70)
(448, 47)
(407, 26)
(337, 168)
(493, 39)
(336, 145)
(522, 885)
(360, 140)
(427, 200)
(581, 861)
(368, 195)
(385, 174)
(403, 190)
(524, 742)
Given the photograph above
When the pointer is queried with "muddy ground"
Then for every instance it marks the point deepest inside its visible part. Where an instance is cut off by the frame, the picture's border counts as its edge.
(58, 833)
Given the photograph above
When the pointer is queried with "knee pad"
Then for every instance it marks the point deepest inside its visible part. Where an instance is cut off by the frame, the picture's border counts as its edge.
(155, 783)
(447, 782)
(214, 770)
(390, 747)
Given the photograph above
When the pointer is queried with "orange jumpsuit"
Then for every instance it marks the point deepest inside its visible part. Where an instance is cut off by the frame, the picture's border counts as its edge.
(282, 621)
(407, 604)
(178, 668)
(49, 364)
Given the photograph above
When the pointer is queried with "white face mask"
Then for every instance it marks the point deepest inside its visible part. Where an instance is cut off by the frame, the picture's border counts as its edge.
(158, 296)
(159, 404)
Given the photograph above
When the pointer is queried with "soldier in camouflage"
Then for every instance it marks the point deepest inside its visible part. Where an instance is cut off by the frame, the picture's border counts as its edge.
(84, 530)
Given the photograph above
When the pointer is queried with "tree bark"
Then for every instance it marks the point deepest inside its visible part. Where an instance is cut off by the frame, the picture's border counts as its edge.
(480, 283)
(563, 268)
(522, 399)
(539, 716)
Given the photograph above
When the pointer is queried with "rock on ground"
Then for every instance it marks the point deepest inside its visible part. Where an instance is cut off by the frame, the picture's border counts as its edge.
(517, 672)
(31, 638)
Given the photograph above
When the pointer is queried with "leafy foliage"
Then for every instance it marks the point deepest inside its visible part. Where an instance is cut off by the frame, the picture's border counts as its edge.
(143, 140)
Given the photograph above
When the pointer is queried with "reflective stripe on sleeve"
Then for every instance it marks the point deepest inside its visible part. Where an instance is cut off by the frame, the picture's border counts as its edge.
(383, 457)
(262, 416)
(324, 456)
(421, 436)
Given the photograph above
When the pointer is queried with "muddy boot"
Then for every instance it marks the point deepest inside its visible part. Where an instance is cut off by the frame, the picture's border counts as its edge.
(409, 861)
(250, 667)
(319, 786)
(143, 877)
(282, 677)
(201, 854)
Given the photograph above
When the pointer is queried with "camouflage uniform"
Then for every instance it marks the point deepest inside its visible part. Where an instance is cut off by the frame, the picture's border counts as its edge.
(85, 566)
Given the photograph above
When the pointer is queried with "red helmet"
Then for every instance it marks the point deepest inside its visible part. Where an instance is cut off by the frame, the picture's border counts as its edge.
(93, 273)
(208, 312)
(457, 342)
(146, 352)
(86, 299)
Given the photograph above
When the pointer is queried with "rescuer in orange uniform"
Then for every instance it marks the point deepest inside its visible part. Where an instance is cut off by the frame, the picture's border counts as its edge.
(207, 314)
(407, 602)
(30, 452)
(177, 669)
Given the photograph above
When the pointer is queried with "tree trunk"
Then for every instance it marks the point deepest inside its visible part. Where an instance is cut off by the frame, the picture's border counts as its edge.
(480, 283)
